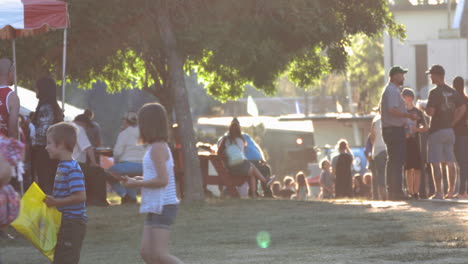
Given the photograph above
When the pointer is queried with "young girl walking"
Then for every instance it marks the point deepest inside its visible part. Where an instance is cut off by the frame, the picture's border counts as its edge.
(158, 191)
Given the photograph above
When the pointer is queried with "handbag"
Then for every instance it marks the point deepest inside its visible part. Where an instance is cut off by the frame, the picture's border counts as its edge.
(235, 155)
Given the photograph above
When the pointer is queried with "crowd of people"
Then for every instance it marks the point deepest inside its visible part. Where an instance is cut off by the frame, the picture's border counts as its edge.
(61, 158)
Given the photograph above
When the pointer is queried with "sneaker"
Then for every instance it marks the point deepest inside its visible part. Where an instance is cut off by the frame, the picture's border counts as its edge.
(5, 236)
(435, 197)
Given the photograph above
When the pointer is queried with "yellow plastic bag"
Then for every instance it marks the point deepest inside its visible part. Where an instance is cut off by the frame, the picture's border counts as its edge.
(37, 222)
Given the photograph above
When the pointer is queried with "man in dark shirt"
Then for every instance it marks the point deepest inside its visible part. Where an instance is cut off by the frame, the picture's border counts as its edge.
(446, 107)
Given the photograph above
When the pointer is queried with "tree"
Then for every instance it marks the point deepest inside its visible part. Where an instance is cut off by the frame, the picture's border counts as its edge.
(148, 43)
(366, 71)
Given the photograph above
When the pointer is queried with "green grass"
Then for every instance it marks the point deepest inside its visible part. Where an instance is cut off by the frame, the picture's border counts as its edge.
(224, 231)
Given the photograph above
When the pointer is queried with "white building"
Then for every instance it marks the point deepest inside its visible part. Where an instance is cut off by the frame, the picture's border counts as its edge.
(436, 34)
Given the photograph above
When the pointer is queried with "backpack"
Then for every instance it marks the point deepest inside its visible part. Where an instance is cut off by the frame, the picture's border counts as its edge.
(235, 155)
(9, 205)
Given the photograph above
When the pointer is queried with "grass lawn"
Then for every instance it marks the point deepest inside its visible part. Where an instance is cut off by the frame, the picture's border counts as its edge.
(224, 231)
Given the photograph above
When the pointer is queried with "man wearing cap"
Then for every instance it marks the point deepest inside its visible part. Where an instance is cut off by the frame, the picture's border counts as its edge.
(394, 117)
(446, 108)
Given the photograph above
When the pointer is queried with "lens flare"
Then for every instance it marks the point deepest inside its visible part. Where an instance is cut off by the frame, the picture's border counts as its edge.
(263, 239)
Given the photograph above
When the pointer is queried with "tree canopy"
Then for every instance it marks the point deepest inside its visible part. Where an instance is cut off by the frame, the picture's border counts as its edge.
(228, 43)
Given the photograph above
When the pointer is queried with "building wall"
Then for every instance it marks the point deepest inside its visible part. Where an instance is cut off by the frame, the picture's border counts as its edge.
(423, 27)
(329, 131)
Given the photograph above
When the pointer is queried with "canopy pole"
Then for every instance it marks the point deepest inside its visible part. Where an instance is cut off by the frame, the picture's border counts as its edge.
(13, 44)
(64, 63)
(15, 80)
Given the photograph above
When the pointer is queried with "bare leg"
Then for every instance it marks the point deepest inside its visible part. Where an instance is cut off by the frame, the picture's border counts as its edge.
(252, 186)
(409, 181)
(452, 176)
(146, 243)
(437, 175)
(256, 173)
(383, 193)
(417, 181)
(159, 249)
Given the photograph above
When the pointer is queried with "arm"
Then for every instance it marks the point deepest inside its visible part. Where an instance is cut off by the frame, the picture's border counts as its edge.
(459, 113)
(74, 198)
(99, 140)
(430, 111)
(322, 184)
(395, 112)
(92, 156)
(221, 147)
(159, 156)
(119, 147)
(14, 106)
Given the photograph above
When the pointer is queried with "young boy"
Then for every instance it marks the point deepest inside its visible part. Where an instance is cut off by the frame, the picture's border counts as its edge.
(69, 193)
(327, 180)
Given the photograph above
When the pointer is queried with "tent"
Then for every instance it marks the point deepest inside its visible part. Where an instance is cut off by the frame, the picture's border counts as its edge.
(22, 18)
(29, 102)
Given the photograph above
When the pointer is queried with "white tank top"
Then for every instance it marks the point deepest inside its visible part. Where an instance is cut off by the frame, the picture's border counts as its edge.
(153, 199)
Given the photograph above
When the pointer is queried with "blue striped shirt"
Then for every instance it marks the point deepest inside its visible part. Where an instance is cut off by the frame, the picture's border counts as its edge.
(68, 180)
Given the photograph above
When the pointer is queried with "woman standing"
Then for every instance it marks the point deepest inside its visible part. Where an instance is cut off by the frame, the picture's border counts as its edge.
(342, 169)
(48, 112)
(461, 140)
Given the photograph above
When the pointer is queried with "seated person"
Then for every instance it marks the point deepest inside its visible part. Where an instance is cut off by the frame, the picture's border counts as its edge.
(302, 187)
(367, 186)
(95, 176)
(254, 154)
(128, 157)
(360, 189)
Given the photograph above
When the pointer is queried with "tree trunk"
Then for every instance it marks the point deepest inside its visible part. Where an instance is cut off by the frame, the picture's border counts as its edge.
(193, 184)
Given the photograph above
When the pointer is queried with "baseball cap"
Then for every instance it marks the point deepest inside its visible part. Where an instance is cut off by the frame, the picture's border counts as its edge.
(436, 69)
(397, 69)
(131, 117)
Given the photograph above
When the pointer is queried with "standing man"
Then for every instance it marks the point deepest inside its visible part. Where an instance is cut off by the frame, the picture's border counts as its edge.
(445, 106)
(9, 101)
(394, 117)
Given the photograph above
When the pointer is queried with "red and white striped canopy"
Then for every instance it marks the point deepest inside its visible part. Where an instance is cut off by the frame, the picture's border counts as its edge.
(19, 18)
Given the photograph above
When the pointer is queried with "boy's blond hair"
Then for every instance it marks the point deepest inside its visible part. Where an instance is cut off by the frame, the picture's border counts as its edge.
(63, 133)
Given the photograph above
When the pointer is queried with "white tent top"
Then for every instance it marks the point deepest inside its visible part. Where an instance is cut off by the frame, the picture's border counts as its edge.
(28, 102)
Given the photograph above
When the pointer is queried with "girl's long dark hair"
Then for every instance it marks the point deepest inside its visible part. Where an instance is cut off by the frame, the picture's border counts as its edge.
(47, 94)
(235, 131)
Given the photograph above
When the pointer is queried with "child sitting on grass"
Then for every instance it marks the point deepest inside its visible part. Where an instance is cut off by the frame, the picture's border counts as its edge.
(302, 187)
(69, 194)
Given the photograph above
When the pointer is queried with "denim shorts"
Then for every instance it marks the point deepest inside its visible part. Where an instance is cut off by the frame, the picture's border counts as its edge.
(128, 168)
(163, 220)
(440, 146)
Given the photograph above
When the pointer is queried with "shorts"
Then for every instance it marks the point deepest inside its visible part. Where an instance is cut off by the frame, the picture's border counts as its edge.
(241, 169)
(163, 220)
(127, 168)
(69, 241)
(413, 154)
(440, 146)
